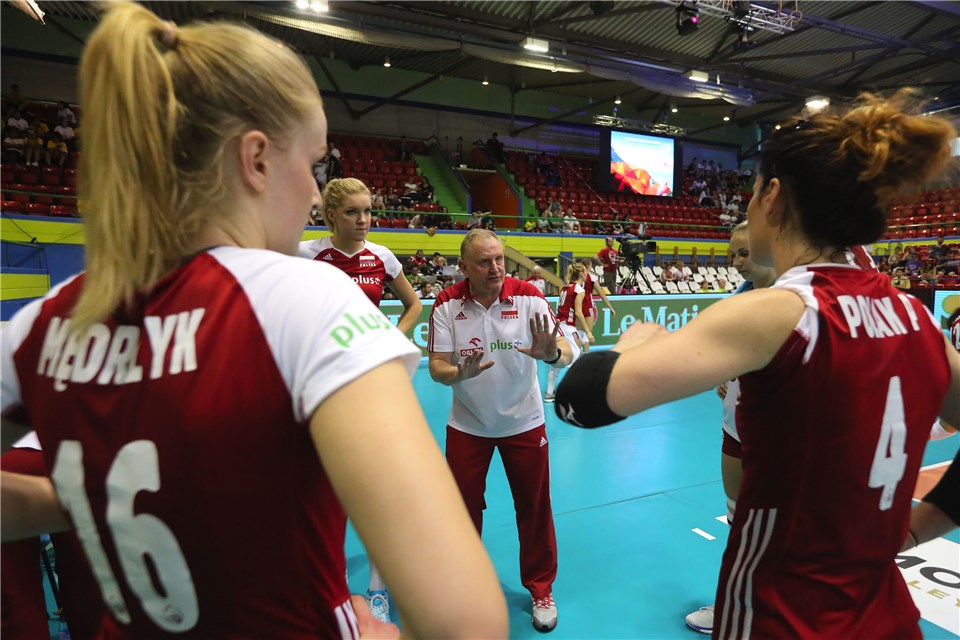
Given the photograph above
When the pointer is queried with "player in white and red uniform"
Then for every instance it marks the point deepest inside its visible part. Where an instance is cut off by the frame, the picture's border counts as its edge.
(590, 311)
(496, 403)
(347, 213)
(204, 408)
(834, 412)
(570, 315)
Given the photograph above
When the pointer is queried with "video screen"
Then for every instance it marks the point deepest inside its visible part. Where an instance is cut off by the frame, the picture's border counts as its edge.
(642, 164)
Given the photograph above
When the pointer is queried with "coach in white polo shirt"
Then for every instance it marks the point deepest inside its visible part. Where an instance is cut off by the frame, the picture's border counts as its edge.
(486, 334)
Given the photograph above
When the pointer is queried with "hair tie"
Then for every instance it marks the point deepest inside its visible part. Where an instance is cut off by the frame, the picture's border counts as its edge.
(169, 34)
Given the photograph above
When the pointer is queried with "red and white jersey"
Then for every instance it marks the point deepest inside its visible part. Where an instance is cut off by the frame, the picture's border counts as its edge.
(371, 267)
(179, 431)
(588, 285)
(859, 255)
(608, 258)
(505, 399)
(833, 431)
(566, 312)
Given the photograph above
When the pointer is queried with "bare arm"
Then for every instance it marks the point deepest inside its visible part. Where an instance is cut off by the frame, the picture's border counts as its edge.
(411, 303)
(430, 581)
(603, 297)
(729, 338)
(581, 321)
(30, 507)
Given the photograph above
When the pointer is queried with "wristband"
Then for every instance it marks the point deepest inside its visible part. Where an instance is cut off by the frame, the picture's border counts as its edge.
(581, 397)
(555, 360)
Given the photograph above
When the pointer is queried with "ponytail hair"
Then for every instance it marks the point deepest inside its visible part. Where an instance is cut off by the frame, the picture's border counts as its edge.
(841, 171)
(335, 194)
(162, 109)
(575, 271)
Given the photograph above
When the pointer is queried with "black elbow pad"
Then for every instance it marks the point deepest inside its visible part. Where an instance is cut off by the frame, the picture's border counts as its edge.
(581, 398)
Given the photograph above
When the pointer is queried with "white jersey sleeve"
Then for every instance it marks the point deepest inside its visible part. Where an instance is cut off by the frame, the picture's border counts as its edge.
(321, 328)
(311, 248)
(12, 336)
(441, 331)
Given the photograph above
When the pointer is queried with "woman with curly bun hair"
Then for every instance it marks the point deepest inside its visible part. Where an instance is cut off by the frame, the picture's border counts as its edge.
(834, 412)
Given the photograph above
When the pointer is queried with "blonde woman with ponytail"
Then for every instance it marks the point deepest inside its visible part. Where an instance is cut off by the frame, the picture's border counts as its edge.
(834, 411)
(195, 391)
(571, 318)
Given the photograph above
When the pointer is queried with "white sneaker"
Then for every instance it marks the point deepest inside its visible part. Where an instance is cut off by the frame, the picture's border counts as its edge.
(379, 603)
(549, 397)
(701, 620)
(544, 613)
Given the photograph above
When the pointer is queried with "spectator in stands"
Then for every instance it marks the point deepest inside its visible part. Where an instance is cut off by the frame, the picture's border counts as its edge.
(723, 285)
(334, 167)
(65, 112)
(416, 222)
(530, 225)
(33, 147)
(704, 286)
(414, 277)
(14, 145)
(495, 148)
(438, 263)
(65, 130)
(900, 279)
(488, 222)
(17, 121)
(536, 279)
(476, 219)
(938, 252)
(543, 222)
(335, 152)
(427, 291)
(667, 274)
(912, 263)
(427, 190)
(377, 201)
(569, 221)
(418, 260)
(56, 153)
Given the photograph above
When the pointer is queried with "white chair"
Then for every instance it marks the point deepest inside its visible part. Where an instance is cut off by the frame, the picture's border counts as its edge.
(642, 287)
(684, 287)
(722, 270)
(646, 271)
(711, 271)
(672, 287)
(732, 271)
(687, 272)
(702, 271)
(698, 278)
(656, 287)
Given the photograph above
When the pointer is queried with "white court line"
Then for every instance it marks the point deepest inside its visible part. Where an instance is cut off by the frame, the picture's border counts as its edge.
(935, 465)
(721, 519)
(701, 532)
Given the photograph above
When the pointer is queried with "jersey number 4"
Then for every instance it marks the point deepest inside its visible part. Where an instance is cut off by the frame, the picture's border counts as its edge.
(890, 457)
(138, 537)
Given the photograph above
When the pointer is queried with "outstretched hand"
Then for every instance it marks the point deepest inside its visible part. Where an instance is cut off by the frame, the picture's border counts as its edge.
(544, 343)
(471, 367)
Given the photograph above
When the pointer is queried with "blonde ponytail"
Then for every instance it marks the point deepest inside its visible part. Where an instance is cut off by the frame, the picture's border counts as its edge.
(162, 105)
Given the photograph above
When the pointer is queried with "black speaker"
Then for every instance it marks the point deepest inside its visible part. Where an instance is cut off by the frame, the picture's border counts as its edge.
(651, 246)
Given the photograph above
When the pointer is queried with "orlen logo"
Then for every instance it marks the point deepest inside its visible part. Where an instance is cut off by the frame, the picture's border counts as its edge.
(475, 343)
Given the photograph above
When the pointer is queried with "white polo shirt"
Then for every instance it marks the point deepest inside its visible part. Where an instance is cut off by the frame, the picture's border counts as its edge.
(505, 399)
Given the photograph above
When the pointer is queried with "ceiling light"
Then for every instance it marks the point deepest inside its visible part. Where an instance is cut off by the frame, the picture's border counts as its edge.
(618, 100)
(386, 62)
(303, 5)
(688, 19)
(815, 103)
(726, 118)
(485, 81)
(673, 109)
(777, 127)
(535, 44)
(319, 6)
(698, 76)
